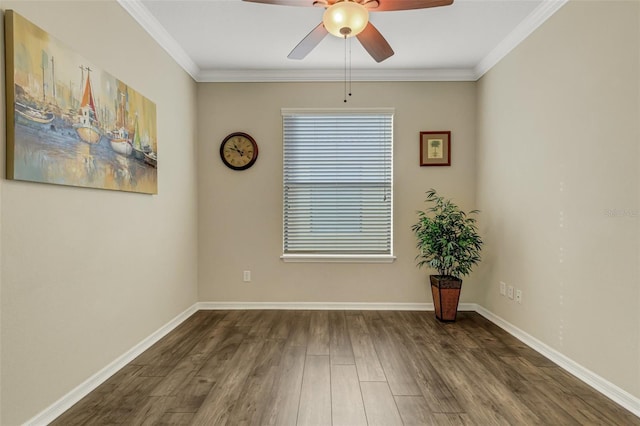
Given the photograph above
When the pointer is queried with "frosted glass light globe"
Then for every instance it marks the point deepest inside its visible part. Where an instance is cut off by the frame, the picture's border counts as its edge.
(345, 19)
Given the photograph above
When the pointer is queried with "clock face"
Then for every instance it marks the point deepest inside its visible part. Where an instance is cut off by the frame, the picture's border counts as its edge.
(239, 151)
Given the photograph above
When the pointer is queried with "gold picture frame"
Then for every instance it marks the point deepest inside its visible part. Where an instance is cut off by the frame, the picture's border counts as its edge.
(435, 148)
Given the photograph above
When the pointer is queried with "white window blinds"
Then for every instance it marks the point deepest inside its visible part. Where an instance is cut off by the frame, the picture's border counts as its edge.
(338, 182)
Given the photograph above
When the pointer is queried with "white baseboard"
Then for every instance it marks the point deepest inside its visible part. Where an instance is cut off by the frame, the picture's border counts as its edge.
(326, 306)
(601, 385)
(598, 383)
(315, 306)
(63, 404)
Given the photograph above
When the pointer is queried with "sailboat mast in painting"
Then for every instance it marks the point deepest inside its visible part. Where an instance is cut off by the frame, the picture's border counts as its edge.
(119, 137)
(87, 125)
(62, 132)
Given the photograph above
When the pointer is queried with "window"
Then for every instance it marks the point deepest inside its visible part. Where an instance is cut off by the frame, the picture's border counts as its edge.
(338, 184)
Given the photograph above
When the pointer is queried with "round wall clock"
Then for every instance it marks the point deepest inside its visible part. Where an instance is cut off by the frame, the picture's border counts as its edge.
(238, 151)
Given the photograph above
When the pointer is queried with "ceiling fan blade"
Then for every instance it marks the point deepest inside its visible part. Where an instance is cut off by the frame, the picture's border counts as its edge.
(374, 43)
(285, 2)
(309, 42)
(387, 5)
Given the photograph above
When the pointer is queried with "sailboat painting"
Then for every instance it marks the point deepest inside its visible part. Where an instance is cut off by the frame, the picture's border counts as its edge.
(71, 123)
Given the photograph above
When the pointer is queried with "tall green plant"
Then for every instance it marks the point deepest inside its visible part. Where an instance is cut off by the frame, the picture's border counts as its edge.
(448, 238)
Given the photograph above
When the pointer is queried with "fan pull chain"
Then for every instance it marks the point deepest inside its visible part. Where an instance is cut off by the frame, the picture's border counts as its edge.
(350, 68)
(345, 68)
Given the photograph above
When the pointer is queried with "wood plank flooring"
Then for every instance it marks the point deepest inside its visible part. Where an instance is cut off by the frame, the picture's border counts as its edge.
(342, 368)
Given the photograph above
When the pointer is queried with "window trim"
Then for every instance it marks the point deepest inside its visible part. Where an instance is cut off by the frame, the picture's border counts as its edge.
(338, 258)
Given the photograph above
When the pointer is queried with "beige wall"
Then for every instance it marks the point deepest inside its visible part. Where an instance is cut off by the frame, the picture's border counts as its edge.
(240, 213)
(87, 274)
(558, 182)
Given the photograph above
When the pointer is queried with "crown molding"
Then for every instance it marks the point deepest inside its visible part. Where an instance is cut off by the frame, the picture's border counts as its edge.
(518, 35)
(299, 75)
(150, 24)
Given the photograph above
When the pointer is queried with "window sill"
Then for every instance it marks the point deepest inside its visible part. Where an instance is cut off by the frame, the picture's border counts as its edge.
(337, 258)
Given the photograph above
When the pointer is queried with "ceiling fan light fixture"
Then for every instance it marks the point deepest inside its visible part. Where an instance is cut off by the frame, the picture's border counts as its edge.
(345, 19)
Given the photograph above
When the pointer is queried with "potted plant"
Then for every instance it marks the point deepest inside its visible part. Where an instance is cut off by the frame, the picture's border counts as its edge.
(448, 242)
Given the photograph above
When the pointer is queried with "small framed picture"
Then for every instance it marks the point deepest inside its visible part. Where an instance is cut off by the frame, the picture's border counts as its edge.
(435, 148)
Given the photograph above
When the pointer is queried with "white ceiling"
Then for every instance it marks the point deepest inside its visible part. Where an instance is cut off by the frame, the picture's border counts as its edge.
(233, 40)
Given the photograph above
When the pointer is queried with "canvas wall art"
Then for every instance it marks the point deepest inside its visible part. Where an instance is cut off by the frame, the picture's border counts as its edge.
(71, 123)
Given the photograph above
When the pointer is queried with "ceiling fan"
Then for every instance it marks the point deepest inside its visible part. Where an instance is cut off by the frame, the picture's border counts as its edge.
(350, 18)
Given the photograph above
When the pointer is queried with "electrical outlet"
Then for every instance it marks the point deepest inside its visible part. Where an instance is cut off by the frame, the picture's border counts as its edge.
(246, 276)
(503, 289)
(510, 292)
(519, 296)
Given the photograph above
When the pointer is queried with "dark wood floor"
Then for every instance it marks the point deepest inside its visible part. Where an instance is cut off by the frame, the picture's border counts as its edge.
(342, 368)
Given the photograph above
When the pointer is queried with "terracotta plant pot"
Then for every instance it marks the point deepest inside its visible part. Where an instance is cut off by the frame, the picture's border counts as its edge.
(446, 294)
